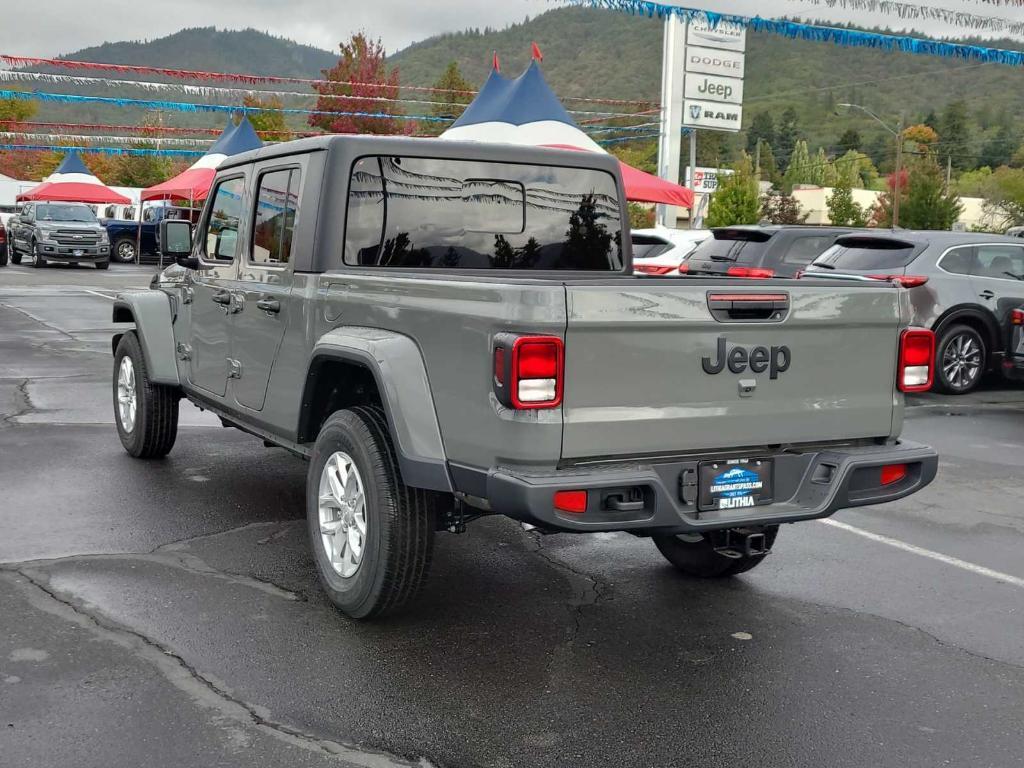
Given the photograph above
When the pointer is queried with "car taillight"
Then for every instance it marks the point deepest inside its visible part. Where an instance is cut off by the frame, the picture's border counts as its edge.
(917, 360)
(684, 268)
(753, 272)
(528, 371)
(1017, 317)
(907, 281)
(652, 269)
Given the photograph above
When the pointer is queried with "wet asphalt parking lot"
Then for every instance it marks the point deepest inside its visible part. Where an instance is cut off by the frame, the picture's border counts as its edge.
(167, 613)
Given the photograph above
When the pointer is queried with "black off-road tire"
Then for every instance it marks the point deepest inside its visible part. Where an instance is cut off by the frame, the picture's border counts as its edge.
(15, 254)
(156, 418)
(37, 258)
(3, 257)
(943, 382)
(115, 250)
(400, 521)
(698, 558)
(102, 265)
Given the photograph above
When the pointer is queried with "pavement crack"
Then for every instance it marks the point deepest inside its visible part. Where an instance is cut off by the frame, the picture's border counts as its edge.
(23, 407)
(202, 689)
(592, 591)
(182, 543)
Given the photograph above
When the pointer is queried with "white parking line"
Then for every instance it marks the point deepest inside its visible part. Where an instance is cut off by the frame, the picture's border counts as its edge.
(947, 559)
(101, 295)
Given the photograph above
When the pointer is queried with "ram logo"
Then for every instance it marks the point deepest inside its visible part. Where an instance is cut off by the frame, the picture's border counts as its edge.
(759, 359)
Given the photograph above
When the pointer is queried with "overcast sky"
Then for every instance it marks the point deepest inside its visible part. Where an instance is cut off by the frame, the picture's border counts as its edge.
(68, 25)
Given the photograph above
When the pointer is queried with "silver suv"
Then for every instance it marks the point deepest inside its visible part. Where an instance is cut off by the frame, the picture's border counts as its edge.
(963, 286)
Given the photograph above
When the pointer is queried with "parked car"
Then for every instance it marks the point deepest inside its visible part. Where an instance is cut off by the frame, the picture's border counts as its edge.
(440, 355)
(68, 232)
(1013, 363)
(126, 235)
(3, 246)
(660, 251)
(761, 251)
(963, 286)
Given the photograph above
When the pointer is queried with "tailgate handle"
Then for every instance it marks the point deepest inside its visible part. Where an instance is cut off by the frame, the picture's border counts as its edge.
(748, 307)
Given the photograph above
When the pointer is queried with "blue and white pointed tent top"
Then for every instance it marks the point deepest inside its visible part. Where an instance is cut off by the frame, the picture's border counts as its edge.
(72, 163)
(73, 182)
(521, 110)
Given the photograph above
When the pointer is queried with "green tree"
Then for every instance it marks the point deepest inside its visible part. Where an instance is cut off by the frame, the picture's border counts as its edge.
(769, 168)
(786, 136)
(778, 208)
(1003, 190)
(268, 122)
(639, 154)
(762, 128)
(925, 201)
(452, 93)
(843, 211)
(715, 149)
(640, 216)
(999, 149)
(850, 141)
(956, 134)
(736, 199)
(799, 168)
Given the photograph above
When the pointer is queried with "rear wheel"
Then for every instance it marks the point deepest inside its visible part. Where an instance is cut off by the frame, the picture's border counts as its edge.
(124, 250)
(372, 536)
(694, 555)
(960, 360)
(15, 254)
(146, 414)
(102, 265)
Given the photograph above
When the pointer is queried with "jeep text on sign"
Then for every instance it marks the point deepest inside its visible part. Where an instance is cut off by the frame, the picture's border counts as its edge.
(723, 35)
(709, 114)
(711, 88)
(708, 61)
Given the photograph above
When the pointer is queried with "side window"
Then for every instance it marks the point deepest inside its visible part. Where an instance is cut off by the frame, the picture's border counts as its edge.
(1005, 262)
(959, 261)
(364, 228)
(277, 201)
(803, 250)
(225, 214)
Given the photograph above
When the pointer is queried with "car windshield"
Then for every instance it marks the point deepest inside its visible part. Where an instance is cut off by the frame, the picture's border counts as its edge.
(52, 212)
(867, 253)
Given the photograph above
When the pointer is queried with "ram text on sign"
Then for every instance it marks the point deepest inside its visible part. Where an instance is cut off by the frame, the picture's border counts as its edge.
(723, 35)
(709, 61)
(711, 88)
(708, 114)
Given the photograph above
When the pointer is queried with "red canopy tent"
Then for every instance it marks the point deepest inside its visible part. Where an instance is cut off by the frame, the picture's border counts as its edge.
(525, 110)
(72, 182)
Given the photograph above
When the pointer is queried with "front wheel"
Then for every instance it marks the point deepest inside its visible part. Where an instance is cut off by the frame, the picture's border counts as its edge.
(37, 258)
(694, 555)
(960, 360)
(102, 265)
(124, 250)
(372, 536)
(15, 255)
(146, 414)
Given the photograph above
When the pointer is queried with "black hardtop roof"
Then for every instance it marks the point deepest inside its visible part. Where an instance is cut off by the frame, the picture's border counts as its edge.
(774, 228)
(938, 237)
(358, 145)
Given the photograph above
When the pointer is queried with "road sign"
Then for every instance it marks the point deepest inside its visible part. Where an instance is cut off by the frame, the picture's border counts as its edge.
(705, 180)
(711, 87)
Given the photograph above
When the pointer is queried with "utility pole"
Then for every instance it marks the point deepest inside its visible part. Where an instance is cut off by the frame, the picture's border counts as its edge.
(757, 161)
(899, 170)
(949, 171)
(693, 170)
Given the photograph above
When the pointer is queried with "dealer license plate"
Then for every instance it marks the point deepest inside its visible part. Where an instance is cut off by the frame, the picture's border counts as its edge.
(735, 484)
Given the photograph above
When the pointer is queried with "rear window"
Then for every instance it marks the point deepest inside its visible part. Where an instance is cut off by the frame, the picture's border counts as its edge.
(648, 247)
(462, 214)
(739, 245)
(867, 253)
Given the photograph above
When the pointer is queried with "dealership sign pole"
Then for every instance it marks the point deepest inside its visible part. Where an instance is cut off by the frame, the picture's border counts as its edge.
(703, 63)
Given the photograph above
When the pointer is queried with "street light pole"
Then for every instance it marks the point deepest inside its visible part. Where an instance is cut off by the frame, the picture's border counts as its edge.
(898, 133)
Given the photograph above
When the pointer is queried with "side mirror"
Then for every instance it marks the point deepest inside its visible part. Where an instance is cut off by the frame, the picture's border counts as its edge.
(176, 242)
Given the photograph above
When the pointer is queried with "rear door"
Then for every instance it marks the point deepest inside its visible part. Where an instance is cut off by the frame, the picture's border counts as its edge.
(686, 365)
(264, 282)
(998, 278)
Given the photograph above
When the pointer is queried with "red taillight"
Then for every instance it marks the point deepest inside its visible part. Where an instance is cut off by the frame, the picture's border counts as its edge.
(1017, 317)
(893, 473)
(752, 272)
(652, 269)
(907, 281)
(3, 234)
(917, 360)
(684, 268)
(528, 371)
(574, 502)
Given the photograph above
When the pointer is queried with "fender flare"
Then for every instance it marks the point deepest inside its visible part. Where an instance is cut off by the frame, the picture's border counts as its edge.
(982, 315)
(151, 312)
(397, 366)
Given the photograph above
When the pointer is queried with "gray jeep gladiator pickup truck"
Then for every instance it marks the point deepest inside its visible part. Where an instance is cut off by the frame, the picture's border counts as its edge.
(449, 330)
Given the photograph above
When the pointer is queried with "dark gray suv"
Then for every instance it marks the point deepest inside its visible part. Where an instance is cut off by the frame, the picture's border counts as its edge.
(760, 251)
(963, 286)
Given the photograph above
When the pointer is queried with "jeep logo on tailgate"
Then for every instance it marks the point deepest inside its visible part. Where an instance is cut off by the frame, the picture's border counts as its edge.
(775, 360)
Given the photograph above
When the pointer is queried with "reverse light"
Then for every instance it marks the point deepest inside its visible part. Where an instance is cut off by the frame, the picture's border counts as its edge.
(574, 502)
(1017, 317)
(916, 365)
(907, 281)
(750, 272)
(528, 371)
(652, 269)
(893, 473)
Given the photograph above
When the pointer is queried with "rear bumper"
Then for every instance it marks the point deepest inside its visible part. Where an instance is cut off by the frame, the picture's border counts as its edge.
(807, 485)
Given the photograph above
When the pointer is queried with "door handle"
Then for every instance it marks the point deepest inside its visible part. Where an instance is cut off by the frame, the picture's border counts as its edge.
(221, 297)
(268, 304)
(986, 294)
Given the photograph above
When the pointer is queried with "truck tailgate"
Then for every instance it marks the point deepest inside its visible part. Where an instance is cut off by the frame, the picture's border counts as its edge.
(637, 381)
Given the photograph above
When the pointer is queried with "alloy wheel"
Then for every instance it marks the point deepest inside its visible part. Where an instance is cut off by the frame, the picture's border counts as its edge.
(342, 512)
(126, 397)
(125, 251)
(962, 360)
